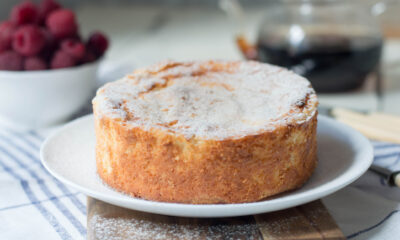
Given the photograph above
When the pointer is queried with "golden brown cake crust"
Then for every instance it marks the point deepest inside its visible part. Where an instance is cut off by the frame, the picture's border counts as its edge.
(156, 164)
(162, 167)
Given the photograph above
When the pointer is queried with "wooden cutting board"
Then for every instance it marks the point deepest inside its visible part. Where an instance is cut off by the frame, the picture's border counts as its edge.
(309, 221)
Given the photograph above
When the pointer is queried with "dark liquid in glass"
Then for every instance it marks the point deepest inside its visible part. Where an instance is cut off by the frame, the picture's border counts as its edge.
(331, 62)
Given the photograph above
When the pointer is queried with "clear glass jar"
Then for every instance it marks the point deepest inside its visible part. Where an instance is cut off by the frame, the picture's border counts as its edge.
(335, 44)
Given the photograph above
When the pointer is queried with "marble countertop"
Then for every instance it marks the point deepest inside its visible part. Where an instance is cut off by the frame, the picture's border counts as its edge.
(142, 35)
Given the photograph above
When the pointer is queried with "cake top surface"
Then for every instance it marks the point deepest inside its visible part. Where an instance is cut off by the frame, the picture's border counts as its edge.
(208, 99)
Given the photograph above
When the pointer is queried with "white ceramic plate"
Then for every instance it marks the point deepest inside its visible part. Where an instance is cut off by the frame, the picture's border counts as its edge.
(344, 155)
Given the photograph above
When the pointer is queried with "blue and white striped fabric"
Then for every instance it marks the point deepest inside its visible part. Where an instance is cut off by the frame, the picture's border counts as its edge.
(368, 208)
(34, 205)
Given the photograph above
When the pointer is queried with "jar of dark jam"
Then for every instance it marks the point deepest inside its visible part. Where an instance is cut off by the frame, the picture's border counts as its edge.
(334, 44)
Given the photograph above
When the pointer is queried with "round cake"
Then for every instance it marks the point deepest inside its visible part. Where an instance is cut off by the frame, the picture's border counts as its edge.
(206, 132)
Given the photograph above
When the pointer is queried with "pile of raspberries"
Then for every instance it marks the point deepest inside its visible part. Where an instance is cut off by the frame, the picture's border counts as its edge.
(45, 36)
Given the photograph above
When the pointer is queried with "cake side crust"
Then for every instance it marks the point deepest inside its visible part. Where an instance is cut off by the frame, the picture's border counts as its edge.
(160, 166)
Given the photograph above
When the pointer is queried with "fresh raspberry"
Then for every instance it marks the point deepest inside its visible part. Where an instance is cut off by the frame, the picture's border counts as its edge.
(24, 13)
(10, 60)
(74, 48)
(34, 63)
(98, 43)
(49, 46)
(28, 40)
(51, 42)
(4, 45)
(89, 57)
(45, 8)
(7, 29)
(61, 23)
(62, 59)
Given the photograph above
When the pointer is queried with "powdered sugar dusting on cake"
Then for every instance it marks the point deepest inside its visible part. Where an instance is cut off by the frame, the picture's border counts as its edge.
(212, 99)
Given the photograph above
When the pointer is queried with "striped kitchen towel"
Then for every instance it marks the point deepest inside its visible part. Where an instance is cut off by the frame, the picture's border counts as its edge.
(34, 205)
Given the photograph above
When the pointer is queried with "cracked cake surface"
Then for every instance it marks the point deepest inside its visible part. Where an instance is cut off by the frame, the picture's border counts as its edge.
(210, 100)
(206, 131)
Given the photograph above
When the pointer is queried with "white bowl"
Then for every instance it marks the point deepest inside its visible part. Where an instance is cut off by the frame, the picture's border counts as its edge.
(33, 99)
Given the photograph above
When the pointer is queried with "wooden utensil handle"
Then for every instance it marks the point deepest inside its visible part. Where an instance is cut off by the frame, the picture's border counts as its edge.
(377, 126)
(396, 179)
